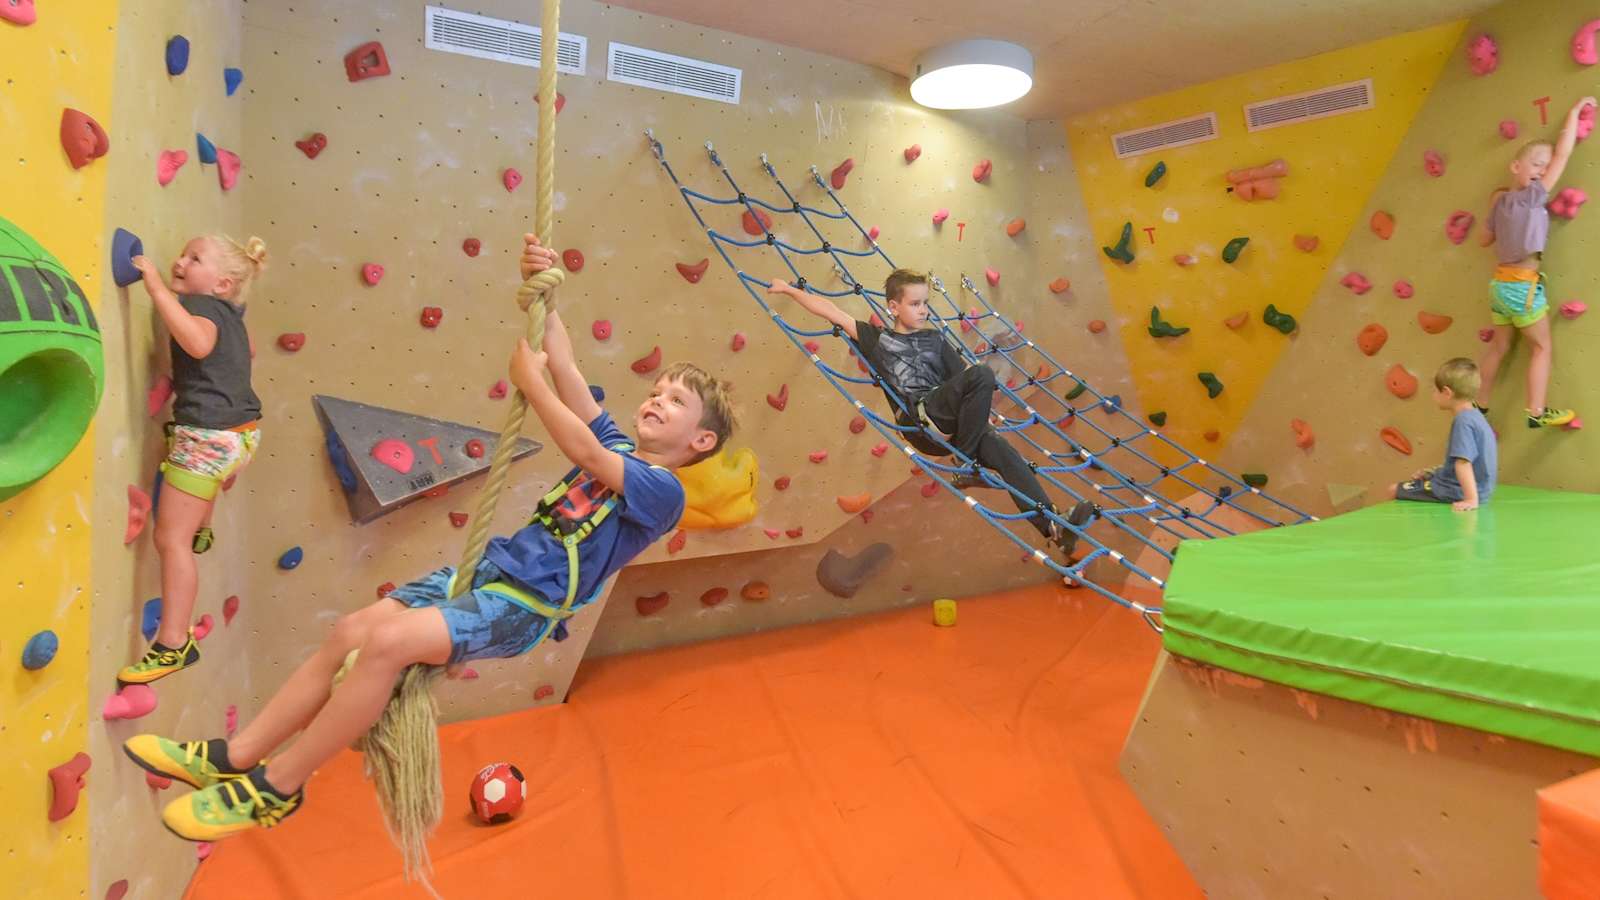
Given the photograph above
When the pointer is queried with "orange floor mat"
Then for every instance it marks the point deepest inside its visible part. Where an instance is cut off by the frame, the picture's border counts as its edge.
(872, 757)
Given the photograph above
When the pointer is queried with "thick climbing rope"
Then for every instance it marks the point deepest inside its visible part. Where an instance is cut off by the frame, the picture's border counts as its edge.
(1134, 507)
(402, 747)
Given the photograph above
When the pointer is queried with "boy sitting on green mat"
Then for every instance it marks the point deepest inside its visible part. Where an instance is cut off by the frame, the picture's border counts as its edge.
(1466, 479)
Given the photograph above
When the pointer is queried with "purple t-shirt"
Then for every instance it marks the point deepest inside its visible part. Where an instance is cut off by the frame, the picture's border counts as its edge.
(1520, 223)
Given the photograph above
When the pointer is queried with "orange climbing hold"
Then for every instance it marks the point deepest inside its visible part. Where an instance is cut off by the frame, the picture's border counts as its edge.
(1372, 338)
(1213, 436)
(1060, 286)
(1395, 439)
(818, 456)
(1433, 323)
(1015, 226)
(1185, 260)
(1096, 326)
(693, 273)
(1237, 320)
(756, 591)
(1304, 437)
(1306, 243)
(1382, 225)
(1401, 383)
(678, 541)
(855, 504)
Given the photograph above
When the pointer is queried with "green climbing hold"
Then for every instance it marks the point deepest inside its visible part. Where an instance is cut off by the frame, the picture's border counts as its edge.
(1254, 479)
(1213, 386)
(1123, 252)
(1279, 320)
(1156, 174)
(1231, 252)
(1160, 328)
(1077, 392)
(1158, 419)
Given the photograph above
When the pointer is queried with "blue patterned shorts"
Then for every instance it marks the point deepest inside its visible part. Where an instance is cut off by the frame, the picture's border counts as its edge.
(483, 624)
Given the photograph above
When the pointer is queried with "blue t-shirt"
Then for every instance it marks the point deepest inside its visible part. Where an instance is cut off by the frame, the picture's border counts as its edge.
(1471, 439)
(652, 501)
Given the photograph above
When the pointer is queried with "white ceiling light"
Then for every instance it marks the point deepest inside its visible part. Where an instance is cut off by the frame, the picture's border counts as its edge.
(972, 74)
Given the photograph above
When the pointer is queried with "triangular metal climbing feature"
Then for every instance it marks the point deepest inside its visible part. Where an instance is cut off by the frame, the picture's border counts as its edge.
(386, 458)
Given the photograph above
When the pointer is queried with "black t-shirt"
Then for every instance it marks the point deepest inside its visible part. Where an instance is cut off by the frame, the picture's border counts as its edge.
(911, 364)
(214, 392)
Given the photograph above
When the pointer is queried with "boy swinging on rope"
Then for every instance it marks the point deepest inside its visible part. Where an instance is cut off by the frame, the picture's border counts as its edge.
(621, 498)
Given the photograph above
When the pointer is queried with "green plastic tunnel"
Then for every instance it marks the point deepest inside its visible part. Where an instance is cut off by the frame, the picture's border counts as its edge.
(51, 368)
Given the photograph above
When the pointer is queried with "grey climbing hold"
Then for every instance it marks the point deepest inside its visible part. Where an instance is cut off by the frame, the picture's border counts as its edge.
(843, 575)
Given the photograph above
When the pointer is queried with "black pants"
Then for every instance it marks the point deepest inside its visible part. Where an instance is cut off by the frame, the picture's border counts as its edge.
(961, 407)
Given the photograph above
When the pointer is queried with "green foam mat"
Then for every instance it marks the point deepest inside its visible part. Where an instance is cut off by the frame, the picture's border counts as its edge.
(1488, 619)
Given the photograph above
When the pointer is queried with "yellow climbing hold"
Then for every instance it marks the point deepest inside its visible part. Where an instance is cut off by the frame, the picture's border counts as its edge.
(944, 613)
(720, 490)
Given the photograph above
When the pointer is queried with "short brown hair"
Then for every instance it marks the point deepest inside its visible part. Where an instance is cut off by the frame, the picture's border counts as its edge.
(1529, 147)
(717, 415)
(898, 281)
(1460, 377)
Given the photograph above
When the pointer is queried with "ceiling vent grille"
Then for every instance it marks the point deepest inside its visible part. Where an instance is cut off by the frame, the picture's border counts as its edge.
(451, 31)
(674, 74)
(1181, 133)
(1351, 97)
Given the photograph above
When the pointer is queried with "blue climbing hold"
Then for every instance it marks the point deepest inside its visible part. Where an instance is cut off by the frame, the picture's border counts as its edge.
(231, 79)
(559, 633)
(40, 649)
(1112, 403)
(341, 463)
(177, 55)
(125, 245)
(598, 393)
(207, 150)
(291, 558)
(151, 619)
(155, 493)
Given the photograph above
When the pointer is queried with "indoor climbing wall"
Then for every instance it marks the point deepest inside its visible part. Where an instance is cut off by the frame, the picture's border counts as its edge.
(1345, 394)
(401, 171)
(1210, 259)
(56, 62)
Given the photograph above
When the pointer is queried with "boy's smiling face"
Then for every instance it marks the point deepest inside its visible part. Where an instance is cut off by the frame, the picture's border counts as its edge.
(1531, 164)
(668, 422)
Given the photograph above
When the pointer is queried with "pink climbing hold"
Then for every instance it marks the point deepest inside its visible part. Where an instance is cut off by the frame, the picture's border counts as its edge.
(1583, 43)
(738, 341)
(991, 276)
(912, 152)
(138, 514)
(781, 483)
(498, 390)
(1403, 289)
(648, 363)
(203, 627)
(1585, 121)
(601, 329)
(812, 346)
(1509, 129)
(1433, 163)
(19, 12)
(543, 691)
(880, 450)
(230, 720)
(159, 394)
(780, 400)
(940, 215)
(817, 456)
(866, 517)
(771, 533)
(872, 233)
(156, 782)
(396, 454)
(561, 101)
(202, 850)
(228, 166)
(755, 222)
(1483, 54)
(1356, 282)
(372, 273)
(929, 489)
(131, 702)
(472, 246)
(230, 608)
(1458, 226)
(1575, 425)
(1567, 203)
(795, 533)
(168, 164)
(1573, 309)
(511, 178)
(841, 172)
(1185, 260)
(313, 145)
(468, 674)
(1486, 334)
(980, 172)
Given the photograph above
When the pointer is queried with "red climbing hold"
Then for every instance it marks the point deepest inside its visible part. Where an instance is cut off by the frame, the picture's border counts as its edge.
(1060, 286)
(1486, 334)
(880, 450)
(385, 589)
(1372, 338)
(841, 172)
(156, 782)
(372, 273)
(817, 456)
(431, 316)
(203, 627)
(1237, 320)
(795, 534)
(693, 273)
(738, 341)
(1306, 243)
(511, 178)
(230, 608)
(228, 166)
(1433, 163)
(1573, 309)
(1303, 435)
(940, 215)
(1213, 436)
(168, 164)
(678, 541)
(872, 233)
(812, 346)
(1400, 383)
(1185, 260)
(159, 394)
(601, 329)
(474, 448)
(1395, 439)
(313, 145)
(875, 321)
(138, 514)
(1458, 226)
(781, 483)
(1433, 323)
(715, 595)
(648, 363)
(82, 138)
(1356, 282)
(1016, 226)
(756, 591)
(1382, 225)
(471, 246)
(561, 101)
(458, 519)
(912, 152)
(1096, 326)
(780, 400)
(396, 454)
(859, 424)
(66, 781)
(366, 61)
(756, 222)
(866, 517)
(573, 260)
(929, 489)
(543, 691)
(854, 503)
(991, 276)
(1404, 290)
(980, 172)
(652, 604)
(292, 341)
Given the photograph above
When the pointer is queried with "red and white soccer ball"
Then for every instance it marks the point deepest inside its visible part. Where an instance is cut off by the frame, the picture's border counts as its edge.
(497, 793)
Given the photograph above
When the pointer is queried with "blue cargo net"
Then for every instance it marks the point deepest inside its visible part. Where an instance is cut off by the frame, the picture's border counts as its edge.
(1120, 473)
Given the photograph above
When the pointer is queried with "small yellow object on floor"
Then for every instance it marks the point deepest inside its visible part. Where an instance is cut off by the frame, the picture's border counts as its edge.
(944, 613)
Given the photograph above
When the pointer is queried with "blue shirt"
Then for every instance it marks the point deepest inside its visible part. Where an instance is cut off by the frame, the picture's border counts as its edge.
(1471, 439)
(652, 501)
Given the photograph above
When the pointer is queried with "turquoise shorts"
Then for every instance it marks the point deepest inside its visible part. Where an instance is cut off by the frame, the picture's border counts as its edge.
(484, 623)
(1520, 303)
